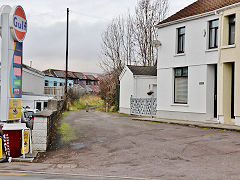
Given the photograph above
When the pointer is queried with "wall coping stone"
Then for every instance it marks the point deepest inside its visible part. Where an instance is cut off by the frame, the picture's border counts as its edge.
(44, 113)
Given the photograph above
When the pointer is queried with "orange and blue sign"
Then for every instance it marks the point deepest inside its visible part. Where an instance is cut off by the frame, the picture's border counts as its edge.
(19, 24)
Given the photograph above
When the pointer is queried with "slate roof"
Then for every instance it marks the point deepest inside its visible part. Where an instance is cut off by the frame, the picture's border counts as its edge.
(80, 75)
(143, 70)
(91, 77)
(199, 7)
(74, 75)
(33, 69)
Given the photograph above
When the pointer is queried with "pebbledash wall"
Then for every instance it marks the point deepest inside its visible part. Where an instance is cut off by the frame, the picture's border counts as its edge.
(134, 85)
(201, 64)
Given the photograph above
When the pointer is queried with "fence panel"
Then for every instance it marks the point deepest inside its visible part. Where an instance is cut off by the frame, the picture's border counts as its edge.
(143, 106)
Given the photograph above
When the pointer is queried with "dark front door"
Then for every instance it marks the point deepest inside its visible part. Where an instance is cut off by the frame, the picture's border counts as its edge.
(215, 92)
(232, 94)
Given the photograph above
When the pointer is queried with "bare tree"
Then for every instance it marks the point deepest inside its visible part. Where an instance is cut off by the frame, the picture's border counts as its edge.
(147, 14)
(128, 41)
(112, 49)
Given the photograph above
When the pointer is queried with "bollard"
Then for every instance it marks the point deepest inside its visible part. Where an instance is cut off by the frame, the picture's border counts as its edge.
(106, 107)
(87, 108)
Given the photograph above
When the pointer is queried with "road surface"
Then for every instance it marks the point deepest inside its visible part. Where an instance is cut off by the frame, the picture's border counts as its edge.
(102, 144)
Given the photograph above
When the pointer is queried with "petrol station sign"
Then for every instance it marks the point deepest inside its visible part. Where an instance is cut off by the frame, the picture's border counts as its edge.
(18, 23)
(13, 32)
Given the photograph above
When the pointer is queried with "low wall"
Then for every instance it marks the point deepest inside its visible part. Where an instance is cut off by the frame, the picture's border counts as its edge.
(44, 127)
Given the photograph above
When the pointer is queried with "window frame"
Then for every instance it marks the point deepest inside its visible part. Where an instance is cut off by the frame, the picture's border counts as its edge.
(179, 76)
(55, 83)
(179, 37)
(46, 82)
(216, 34)
(230, 26)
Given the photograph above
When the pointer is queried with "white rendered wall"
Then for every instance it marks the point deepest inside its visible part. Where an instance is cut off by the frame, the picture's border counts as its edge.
(196, 44)
(32, 82)
(143, 85)
(126, 90)
(197, 58)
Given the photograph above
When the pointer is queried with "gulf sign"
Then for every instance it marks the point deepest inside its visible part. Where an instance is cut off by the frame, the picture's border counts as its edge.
(18, 23)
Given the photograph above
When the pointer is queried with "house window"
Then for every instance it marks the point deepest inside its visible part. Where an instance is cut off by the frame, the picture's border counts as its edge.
(181, 85)
(70, 84)
(231, 20)
(46, 83)
(213, 34)
(55, 83)
(181, 40)
(61, 84)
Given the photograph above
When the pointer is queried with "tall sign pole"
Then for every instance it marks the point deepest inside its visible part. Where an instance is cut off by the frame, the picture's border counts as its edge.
(13, 32)
(66, 72)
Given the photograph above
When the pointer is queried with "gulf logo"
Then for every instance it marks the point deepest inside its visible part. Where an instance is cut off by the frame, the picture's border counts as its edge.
(18, 23)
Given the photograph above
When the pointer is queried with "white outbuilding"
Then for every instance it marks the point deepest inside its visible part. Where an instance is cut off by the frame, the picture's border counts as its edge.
(139, 82)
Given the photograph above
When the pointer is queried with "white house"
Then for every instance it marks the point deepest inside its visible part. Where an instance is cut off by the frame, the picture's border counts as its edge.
(187, 65)
(33, 89)
(136, 81)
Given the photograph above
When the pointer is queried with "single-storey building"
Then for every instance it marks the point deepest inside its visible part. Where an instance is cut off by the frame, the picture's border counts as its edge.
(136, 82)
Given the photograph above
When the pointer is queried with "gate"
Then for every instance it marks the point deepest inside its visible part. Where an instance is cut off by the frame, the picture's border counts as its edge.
(143, 106)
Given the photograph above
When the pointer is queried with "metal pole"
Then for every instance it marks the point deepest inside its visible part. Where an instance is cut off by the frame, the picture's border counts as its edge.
(66, 72)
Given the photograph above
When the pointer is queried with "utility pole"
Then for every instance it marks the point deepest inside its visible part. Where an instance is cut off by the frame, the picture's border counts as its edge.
(66, 72)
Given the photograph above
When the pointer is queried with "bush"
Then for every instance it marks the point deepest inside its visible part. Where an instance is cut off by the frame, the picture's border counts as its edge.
(113, 109)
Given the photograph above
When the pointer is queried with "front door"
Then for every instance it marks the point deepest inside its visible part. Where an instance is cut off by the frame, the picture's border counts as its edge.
(215, 92)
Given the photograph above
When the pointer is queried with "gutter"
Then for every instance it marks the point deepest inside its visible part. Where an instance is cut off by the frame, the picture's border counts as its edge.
(227, 7)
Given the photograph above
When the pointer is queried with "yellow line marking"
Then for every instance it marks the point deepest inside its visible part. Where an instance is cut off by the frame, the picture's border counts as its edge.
(12, 174)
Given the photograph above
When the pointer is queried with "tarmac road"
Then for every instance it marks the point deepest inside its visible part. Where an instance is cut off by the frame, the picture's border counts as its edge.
(113, 145)
(11, 175)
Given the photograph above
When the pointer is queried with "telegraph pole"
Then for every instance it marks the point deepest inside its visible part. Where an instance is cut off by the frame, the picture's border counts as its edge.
(66, 72)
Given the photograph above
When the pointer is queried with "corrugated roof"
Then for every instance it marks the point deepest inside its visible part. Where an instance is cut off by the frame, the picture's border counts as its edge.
(199, 7)
(143, 70)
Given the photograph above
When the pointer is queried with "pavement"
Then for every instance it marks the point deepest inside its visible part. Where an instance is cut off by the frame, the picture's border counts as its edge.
(99, 145)
(199, 124)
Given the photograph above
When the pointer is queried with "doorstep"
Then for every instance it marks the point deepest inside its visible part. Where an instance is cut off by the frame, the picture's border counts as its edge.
(203, 124)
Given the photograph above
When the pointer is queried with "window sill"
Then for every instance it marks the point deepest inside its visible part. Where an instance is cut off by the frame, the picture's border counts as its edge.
(183, 105)
(228, 46)
(212, 50)
(180, 54)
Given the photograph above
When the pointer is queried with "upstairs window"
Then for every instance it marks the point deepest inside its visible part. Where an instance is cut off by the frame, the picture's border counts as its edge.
(181, 85)
(231, 21)
(55, 83)
(213, 34)
(46, 83)
(181, 40)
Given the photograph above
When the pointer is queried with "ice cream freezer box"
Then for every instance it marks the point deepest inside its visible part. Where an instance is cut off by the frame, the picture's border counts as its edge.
(15, 140)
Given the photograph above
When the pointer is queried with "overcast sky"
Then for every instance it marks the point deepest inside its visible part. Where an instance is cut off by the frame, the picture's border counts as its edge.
(45, 42)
